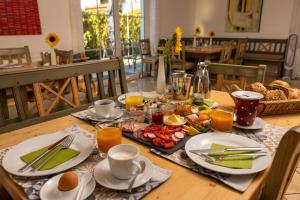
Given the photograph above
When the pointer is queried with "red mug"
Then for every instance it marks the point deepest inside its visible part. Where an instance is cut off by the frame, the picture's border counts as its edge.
(247, 107)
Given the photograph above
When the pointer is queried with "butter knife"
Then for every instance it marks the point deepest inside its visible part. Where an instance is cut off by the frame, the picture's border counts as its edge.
(221, 150)
(52, 146)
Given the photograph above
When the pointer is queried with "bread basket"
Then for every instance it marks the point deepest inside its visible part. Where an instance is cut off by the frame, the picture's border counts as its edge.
(278, 107)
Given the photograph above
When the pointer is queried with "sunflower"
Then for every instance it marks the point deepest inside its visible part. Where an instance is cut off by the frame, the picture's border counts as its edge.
(52, 39)
(178, 35)
(211, 34)
(197, 30)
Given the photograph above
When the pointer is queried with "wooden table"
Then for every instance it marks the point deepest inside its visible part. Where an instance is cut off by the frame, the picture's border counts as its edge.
(183, 184)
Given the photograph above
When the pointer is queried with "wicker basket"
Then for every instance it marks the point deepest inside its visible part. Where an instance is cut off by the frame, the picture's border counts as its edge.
(280, 107)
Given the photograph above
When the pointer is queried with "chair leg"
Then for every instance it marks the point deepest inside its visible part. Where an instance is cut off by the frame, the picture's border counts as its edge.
(142, 69)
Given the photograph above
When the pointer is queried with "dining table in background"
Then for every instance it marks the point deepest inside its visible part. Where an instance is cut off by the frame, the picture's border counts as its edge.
(183, 184)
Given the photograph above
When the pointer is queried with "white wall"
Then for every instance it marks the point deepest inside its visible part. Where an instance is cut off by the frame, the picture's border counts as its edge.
(55, 18)
(210, 15)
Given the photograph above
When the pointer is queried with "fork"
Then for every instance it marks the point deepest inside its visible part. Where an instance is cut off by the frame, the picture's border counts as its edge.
(221, 158)
(65, 144)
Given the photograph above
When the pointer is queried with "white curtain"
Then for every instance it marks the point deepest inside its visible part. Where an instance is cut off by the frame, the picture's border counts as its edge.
(76, 26)
(295, 29)
(154, 25)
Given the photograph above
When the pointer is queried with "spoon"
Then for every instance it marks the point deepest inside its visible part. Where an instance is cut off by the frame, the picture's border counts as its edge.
(84, 180)
(140, 171)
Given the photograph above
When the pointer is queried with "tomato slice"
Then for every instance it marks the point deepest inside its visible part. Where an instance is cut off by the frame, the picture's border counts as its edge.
(157, 142)
(168, 145)
(152, 128)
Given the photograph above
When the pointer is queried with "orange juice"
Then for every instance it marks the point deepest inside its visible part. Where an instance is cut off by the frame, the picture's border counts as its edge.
(221, 120)
(108, 137)
(133, 101)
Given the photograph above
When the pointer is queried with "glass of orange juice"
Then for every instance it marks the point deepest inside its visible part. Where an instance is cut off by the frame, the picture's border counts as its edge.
(133, 99)
(221, 120)
(108, 137)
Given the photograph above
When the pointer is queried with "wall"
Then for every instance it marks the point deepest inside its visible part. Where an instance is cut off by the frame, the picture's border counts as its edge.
(55, 18)
(210, 15)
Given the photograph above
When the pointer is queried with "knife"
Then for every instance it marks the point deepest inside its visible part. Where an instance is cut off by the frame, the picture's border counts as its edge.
(52, 146)
(221, 150)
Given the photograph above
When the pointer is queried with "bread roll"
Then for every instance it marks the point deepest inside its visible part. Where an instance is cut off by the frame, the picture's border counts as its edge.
(294, 94)
(275, 95)
(280, 83)
(257, 87)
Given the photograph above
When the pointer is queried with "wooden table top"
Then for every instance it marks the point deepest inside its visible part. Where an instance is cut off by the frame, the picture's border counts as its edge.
(183, 184)
(200, 50)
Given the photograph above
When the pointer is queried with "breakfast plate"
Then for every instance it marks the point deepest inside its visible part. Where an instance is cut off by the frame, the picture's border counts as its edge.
(104, 177)
(205, 140)
(258, 123)
(116, 114)
(50, 190)
(12, 162)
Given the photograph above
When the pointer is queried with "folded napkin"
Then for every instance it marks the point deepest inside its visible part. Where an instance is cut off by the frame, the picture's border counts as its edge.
(209, 102)
(62, 156)
(237, 162)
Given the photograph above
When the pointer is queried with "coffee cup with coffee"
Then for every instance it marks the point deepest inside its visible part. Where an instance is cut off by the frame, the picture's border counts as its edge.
(247, 106)
(122, 160)
(103, 108)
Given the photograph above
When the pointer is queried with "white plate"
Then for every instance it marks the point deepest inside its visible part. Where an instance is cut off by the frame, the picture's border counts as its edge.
(258, 123)
(117, 113)
(205, 140)
(12, 161)
(104, 177)
(50, 191)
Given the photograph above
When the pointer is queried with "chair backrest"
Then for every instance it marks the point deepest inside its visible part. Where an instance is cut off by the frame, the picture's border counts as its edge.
(243, 72)
(111, 81)
(145, 47)
(21, 55)
(226, 52)
(284, 165)
(240, 51)
(63, 57)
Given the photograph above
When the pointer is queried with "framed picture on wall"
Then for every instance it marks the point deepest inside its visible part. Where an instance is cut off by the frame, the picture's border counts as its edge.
(243, 15)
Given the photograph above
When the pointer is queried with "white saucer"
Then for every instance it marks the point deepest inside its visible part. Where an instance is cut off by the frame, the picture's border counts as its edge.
(104, 177)
(258, 123)
(116, 114)
(50, 191)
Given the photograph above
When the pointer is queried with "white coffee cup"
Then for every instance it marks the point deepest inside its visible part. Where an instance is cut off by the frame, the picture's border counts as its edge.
(122, 160)
(104, 107)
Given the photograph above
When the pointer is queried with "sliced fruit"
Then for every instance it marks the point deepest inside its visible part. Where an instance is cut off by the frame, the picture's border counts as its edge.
(203, 107)
(191, 130)
(203, 117)
(206, 111)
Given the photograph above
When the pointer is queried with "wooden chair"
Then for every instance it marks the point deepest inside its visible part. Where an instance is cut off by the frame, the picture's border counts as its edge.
(57, 87)
(283, 167)
(106, 80)
(243, 72)
(146, 56)
(177, 61)
(226, 52)
(21, 55)
(240, 51)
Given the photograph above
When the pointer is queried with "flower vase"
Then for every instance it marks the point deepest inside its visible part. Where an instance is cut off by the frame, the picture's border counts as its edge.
(53, 56)
(210, 41)
(194, 41)
(161, 77)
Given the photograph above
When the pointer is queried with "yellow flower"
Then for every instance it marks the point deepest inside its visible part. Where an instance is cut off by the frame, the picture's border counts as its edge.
(52, 39)
(198, 30)
(178, 35)
(211, 34)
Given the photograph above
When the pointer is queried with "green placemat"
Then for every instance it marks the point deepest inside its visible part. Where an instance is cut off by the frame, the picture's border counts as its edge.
(62, 156)
(237, 162)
